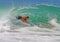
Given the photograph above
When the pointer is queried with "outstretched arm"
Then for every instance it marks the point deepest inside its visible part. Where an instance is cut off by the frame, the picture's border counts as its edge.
(19, 17)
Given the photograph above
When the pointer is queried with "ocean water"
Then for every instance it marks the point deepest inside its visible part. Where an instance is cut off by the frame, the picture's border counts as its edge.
(44, 24)
(39, 15)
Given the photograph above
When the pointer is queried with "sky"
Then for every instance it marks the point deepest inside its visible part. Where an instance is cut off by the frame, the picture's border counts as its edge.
(9, 3)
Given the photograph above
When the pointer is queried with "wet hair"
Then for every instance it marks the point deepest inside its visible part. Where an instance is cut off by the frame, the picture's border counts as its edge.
(27, 17)
(19, 17)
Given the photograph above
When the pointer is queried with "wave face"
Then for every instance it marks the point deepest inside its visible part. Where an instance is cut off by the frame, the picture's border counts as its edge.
(39, 15)
(42, 16)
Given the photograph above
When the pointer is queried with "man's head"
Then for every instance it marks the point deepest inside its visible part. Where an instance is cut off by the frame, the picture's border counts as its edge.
(27, 17)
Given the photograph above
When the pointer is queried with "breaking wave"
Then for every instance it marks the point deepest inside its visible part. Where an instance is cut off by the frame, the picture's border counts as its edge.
(41, 17)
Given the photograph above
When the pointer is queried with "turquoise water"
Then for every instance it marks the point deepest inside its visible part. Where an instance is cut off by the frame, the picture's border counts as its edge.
(38, 15)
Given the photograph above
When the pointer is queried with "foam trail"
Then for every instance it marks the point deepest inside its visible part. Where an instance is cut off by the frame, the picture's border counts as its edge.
(53, 22)
(4, 20)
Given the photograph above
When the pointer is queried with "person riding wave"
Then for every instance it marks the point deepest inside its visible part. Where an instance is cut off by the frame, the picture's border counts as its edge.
(23, 18)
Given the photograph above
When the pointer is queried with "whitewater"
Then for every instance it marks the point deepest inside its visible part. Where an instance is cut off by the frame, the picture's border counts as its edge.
(9, 32)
